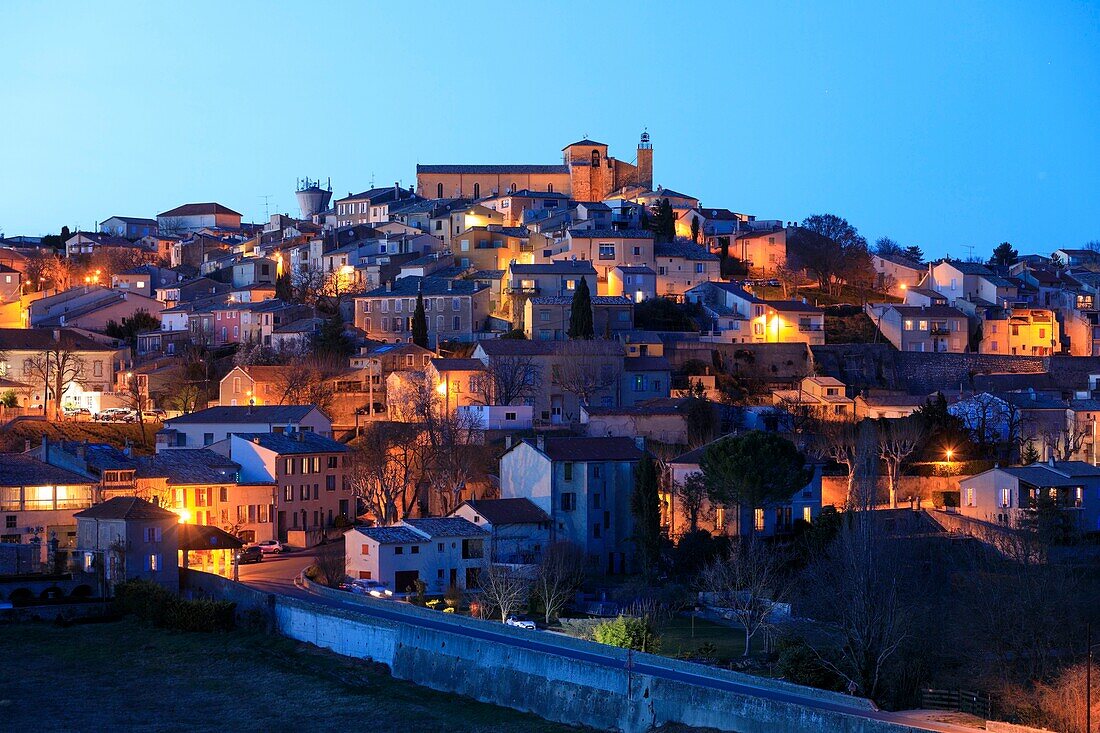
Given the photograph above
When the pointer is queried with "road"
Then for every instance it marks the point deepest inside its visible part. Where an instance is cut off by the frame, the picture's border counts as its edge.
(276, 575)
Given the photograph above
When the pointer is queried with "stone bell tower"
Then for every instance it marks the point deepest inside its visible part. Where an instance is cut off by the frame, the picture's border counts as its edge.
(645, 162)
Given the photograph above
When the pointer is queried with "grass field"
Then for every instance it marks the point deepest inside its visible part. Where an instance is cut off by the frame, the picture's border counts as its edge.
(677, 639)
(14, 437)
(125, 677)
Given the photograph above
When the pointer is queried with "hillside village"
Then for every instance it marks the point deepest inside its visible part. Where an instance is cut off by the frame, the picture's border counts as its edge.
(497, 374)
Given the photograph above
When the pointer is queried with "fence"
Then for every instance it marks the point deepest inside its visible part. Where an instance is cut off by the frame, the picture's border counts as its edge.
(963, 701)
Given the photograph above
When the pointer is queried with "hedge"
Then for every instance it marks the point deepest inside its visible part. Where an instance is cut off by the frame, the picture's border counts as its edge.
(154, 604)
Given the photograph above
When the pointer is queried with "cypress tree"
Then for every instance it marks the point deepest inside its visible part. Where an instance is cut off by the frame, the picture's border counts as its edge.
(645, 507)
(420, 323)
(580, 313)
(331, 339)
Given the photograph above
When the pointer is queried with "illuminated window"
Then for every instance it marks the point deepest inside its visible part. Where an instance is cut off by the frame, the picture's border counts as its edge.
(758, 520)
(807, 514)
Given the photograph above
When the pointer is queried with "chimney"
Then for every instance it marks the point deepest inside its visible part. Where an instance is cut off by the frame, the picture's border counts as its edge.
(45, 449)
(396, 190)
(57, 331)
(507, 442)
(389, 286)
(450, 285)
(81, 450)
(540, 442)
(27, 445)
(128, 449)
(1050, 461)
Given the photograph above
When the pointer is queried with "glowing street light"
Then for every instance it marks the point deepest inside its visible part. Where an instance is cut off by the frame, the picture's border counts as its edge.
(949, 454)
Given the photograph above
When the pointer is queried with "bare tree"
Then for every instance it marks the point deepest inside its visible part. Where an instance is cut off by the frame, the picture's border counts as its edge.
(309, 381)
(136, 400)
(587, 367)
(331, 563)
(749, 582)
(839, 442)
(897, 439)
(35, 270)
(171, 225)
(56, 368)
(560, 575)
(61, 271)
(383, 471)
(323, 290)
(692, 494)
(507, 589)
(509, 379)
(856, 586)
(454, 457)
(1064, 444)
(789, 279)
(1064, 701)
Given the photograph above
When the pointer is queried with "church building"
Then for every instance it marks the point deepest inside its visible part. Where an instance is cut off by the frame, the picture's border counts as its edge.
(587, 173)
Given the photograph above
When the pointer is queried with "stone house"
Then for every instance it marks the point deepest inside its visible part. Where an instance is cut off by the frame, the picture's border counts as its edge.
(584, 484)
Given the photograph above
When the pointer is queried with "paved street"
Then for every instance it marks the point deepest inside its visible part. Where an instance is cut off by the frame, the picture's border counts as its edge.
(276, 575)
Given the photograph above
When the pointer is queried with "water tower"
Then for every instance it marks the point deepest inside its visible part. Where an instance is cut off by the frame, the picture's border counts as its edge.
(312, 199)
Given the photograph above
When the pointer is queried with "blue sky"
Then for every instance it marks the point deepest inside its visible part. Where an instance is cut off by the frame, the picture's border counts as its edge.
(939, 124)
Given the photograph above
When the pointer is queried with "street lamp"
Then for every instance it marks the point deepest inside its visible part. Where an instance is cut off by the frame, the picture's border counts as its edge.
(949, 454)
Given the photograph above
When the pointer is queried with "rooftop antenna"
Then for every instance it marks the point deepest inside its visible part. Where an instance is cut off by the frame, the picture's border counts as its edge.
(267, 197)
(969, 251)
(372, 179)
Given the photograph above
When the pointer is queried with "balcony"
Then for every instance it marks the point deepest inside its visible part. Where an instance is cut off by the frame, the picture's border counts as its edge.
(810, 327)
(939, 331)
(521, 290)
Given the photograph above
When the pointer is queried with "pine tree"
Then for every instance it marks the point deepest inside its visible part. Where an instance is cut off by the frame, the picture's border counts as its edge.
(331, 339)
(420, 323)
(580, 313)
(1029, 454)
(645, 508)
(695, 229)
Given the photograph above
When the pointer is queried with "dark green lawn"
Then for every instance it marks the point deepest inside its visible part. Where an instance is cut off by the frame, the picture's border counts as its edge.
(126, 677)
(677, 639)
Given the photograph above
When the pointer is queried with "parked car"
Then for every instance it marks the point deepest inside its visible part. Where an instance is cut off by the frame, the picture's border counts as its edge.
(520, 623)
(373, 588)
(155, 414)
(75, 411)
(250, 554)
(116, 414)
(269, 546)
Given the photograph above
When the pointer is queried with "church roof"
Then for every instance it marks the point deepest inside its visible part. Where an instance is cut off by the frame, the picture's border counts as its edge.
(585, 141)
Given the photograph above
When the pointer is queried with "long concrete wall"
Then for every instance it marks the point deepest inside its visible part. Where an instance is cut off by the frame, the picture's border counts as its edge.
(562, 679)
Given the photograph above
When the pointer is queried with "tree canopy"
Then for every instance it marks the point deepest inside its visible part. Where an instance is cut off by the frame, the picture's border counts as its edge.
(832, 250)
(1004, 254)
(753, 470)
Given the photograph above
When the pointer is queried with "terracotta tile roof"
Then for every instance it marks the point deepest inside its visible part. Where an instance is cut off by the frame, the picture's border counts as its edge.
(127, 508)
